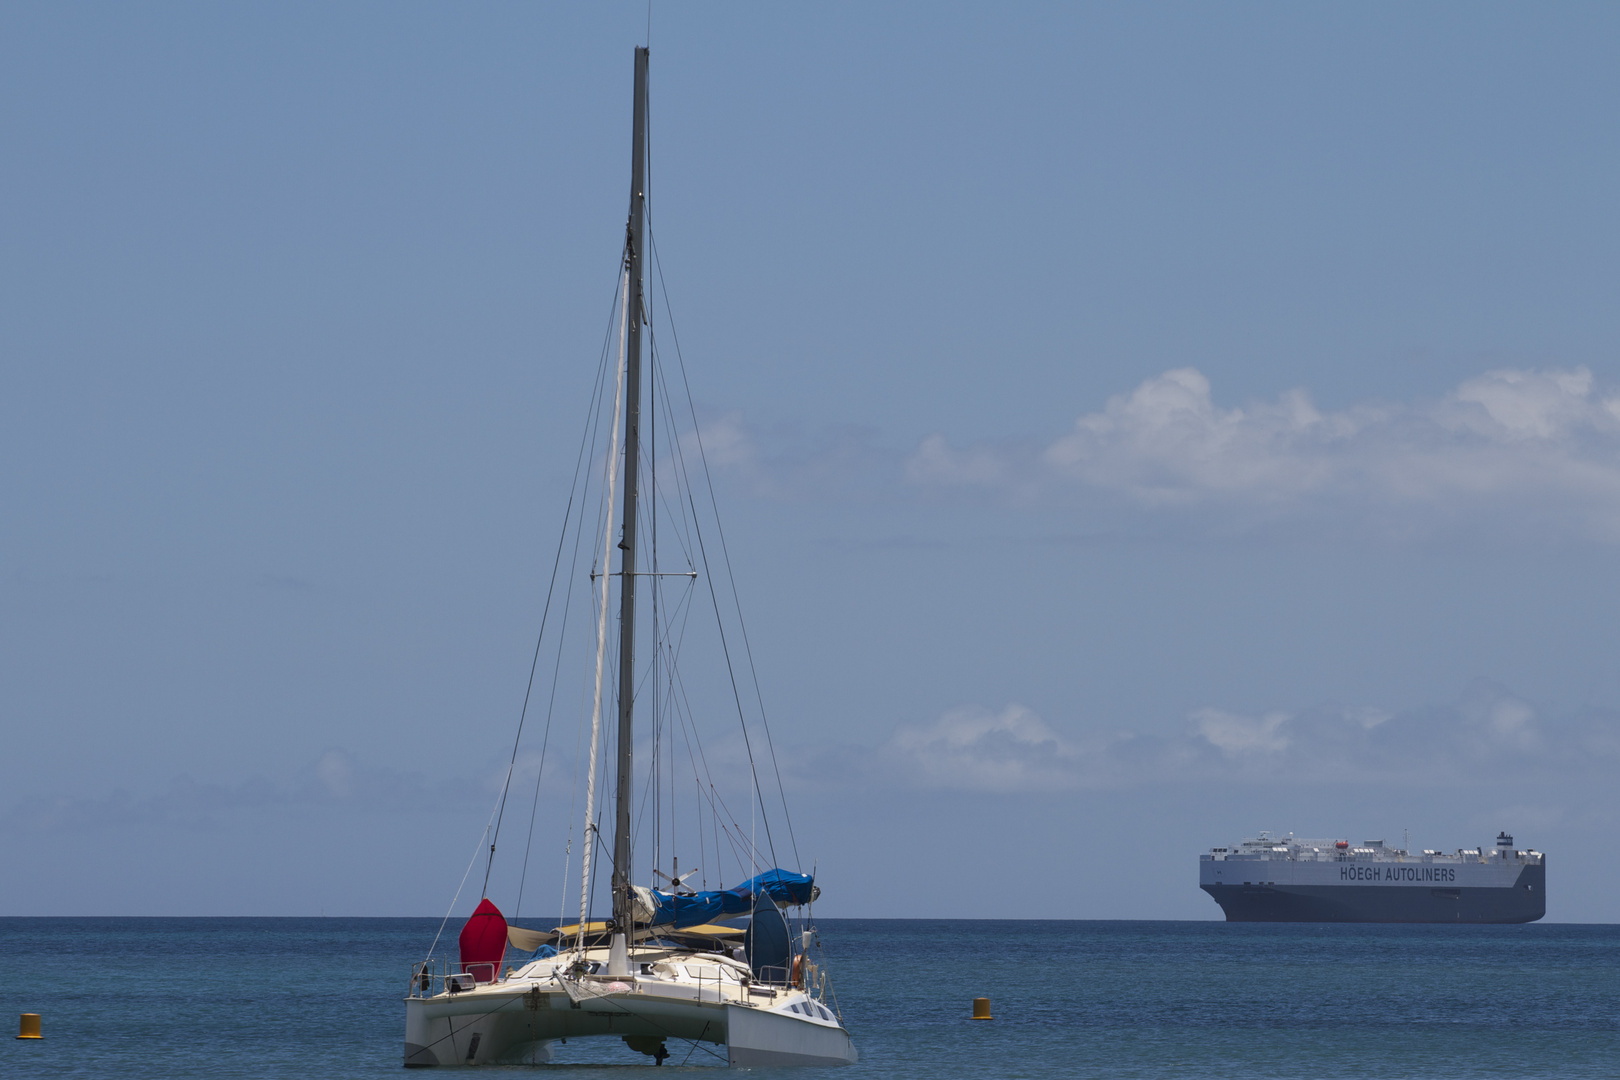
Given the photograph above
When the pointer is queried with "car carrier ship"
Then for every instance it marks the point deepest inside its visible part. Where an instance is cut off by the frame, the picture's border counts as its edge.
(1270, 879)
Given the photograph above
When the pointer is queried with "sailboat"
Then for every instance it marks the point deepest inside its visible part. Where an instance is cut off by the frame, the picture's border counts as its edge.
(674, 968)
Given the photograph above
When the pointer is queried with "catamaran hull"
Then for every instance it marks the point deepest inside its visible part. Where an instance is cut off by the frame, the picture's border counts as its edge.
(758, 1038)
(442, 1031)
(484, 1029)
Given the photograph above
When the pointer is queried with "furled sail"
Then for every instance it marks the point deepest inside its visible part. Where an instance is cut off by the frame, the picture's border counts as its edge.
(673, 911)
(483, 942)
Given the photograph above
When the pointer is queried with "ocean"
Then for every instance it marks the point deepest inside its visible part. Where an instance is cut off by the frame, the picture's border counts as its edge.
(307, 998)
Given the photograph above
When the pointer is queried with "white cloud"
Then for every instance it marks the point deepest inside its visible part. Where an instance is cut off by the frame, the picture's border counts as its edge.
(1168, 442)
(786, 463)
(1488, 737)
(1368, 716)
(1500, 719)
(973, 749)
(1522, 405)
(1505, 440)
(936, 463)
(726, 442)
(1235, 735)
(336, 772)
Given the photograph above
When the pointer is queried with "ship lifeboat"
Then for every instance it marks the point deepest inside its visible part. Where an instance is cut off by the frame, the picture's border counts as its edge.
(1342, 844)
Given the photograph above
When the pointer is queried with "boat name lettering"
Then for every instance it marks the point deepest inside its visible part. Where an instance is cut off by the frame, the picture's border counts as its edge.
(1397, 873)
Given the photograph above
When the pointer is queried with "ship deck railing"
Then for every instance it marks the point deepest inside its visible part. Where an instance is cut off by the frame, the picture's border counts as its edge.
(1532, 858)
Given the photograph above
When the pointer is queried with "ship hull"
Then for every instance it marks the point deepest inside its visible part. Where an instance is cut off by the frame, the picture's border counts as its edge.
(1522, 901)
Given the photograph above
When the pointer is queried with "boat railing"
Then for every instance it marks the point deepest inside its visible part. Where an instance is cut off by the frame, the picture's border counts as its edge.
(715, 986)
(430, 979)
(425, 977)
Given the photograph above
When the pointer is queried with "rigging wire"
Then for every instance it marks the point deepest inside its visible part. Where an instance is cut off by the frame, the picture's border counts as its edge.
(714, 596)
(534, 664)
(612, 467)
(465, 874)
(586, 438)
(653, 401)
(489, 826)
(652, 242)
(717, 802)
(671, 705)
(593, 426)
(675, 635)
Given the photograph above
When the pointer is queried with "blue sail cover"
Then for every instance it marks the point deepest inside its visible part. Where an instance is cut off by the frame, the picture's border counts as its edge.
(782, 886)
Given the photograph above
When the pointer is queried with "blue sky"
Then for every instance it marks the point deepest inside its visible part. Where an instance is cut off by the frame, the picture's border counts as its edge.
(1135, 427)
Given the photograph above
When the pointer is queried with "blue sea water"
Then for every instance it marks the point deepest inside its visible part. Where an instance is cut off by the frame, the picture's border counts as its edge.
(305, 998)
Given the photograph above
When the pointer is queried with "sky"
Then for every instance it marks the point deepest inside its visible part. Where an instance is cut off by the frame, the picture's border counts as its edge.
(1134, 427)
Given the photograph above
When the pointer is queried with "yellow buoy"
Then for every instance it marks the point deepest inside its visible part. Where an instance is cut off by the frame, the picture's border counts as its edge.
(981, 1009)
(29, 1029)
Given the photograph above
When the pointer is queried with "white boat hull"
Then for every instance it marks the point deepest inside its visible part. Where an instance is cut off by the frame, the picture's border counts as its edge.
(510, 1023)
(755, 1037)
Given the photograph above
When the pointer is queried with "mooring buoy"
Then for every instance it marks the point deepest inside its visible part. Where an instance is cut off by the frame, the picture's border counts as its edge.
(29, 1028)
(981, 1009)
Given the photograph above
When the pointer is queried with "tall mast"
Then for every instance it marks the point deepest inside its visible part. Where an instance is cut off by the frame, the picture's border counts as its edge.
(627, 545)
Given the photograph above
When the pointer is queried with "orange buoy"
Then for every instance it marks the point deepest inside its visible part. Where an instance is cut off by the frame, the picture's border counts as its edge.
(981, 1009)
(29, 1028)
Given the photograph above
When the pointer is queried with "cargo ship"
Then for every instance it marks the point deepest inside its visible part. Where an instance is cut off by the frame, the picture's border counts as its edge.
(1281, 879)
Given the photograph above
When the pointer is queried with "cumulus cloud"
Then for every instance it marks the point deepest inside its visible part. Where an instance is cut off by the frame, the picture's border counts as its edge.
(1505, 439)
(1234, 735)
(1168, 442)
(727, 442)
(1368, 716)
(1499, 719)
(1524, 405)
(1488, 735)
(974, 749)
(786, 463)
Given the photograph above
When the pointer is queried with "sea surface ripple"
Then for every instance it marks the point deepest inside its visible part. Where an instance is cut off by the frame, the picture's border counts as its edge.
(309, 998)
